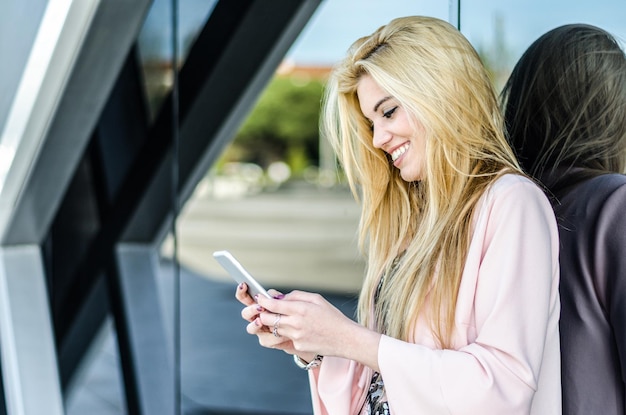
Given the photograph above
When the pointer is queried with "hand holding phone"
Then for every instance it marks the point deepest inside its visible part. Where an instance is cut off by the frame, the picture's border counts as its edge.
(239, 273)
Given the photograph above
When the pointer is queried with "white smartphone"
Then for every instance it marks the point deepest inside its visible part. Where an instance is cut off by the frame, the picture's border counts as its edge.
(239, 273)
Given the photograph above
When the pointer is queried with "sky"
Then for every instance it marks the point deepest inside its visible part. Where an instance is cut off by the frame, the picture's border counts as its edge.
(337, 23)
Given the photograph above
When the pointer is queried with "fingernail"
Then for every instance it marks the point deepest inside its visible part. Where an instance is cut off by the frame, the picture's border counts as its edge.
(257, 322)
(256, 298)
(240, 286)
(279, 296)
(259, 308)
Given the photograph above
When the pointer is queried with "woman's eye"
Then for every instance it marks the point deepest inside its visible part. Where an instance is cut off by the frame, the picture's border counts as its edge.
(389, 113)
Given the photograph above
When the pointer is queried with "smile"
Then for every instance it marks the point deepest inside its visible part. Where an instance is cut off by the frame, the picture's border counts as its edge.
(399, 151)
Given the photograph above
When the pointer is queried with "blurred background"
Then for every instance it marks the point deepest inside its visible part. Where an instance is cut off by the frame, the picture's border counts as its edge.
(138, 138)
(277, 148)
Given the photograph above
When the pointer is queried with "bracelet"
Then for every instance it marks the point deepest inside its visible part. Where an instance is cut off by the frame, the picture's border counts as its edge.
(303, 364)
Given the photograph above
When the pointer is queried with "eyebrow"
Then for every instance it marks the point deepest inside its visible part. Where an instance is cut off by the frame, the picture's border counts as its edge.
(379, 103)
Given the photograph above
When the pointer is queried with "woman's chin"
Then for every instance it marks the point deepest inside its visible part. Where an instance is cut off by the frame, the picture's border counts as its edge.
(409, 176)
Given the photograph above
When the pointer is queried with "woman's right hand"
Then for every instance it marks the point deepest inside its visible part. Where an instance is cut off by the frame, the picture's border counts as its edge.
(242, 295)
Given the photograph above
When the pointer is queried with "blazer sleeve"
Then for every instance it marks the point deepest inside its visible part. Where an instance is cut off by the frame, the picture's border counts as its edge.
(611, 263)
(511, 285)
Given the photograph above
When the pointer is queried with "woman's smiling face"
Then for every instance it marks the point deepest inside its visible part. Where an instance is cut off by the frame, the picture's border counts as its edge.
(391, 129)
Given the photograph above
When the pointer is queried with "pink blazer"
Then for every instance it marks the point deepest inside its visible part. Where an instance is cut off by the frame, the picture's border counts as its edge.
(505, 358)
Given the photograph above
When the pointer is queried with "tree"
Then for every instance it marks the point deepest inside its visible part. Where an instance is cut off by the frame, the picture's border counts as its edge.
(283, 125)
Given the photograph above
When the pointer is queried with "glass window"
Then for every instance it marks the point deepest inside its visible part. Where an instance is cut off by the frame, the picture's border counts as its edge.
(502, 31)
(155, 43)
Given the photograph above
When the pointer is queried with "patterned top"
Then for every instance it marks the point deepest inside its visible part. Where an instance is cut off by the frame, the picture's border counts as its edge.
(376, 401)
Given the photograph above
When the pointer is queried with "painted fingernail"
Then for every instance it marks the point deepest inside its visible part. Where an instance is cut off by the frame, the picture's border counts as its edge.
(259, 308)
(256, 298)
(240, 286)
(257, 322)
(279, 296)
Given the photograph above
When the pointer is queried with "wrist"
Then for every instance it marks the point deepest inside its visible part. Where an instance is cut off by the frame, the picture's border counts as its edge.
(363, 346)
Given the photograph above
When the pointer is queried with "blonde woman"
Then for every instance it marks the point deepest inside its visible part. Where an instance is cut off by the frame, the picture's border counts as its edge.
(459, 308)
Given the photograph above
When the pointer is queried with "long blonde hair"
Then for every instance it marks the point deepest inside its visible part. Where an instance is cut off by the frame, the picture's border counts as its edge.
(436, 75)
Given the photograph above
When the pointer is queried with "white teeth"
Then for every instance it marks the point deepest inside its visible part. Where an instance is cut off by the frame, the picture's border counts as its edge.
(398, 152)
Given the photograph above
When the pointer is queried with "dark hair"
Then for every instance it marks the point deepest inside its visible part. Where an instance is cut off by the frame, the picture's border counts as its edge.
(565, 104)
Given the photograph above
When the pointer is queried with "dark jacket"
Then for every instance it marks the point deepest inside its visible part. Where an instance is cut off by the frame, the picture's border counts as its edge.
(592, 230)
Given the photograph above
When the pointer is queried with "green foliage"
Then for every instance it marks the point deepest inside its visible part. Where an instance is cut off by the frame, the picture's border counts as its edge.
(283, 125)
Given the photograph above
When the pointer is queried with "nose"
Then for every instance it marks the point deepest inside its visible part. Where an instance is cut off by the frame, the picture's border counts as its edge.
(380, 137)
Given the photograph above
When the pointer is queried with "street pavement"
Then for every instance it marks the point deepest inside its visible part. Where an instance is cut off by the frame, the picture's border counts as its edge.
(300, 236)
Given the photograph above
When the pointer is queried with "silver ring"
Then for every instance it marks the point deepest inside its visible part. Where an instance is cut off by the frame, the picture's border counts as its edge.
(276, 322)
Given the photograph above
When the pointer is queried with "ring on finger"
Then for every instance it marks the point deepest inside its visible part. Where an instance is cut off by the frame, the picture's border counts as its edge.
(276, 323)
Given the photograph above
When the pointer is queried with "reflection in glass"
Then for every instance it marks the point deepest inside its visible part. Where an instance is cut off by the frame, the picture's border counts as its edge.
(501, 31)
(155, 44)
